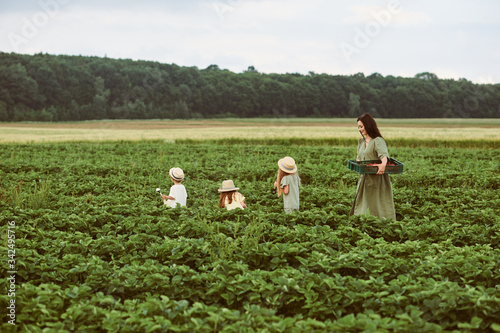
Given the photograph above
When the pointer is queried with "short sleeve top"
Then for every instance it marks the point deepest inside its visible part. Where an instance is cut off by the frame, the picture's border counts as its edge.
(375, 150)
(180, 195)
(238, 198)
(291, 200)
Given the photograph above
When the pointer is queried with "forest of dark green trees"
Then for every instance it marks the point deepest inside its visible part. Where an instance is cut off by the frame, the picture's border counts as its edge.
(44, 87)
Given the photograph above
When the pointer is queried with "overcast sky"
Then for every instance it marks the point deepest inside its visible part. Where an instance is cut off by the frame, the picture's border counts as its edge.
(453, 39)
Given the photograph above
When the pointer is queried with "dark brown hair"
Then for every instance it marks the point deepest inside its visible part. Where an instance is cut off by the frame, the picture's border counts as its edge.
(223, 196)
(370, 125)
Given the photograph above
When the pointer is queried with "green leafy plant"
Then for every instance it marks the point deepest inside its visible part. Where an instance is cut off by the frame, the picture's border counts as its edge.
(97, 250)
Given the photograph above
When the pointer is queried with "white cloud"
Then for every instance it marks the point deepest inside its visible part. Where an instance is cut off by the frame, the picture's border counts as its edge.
(447, 73)
(275, 10)
(275, 35)
(386, 15)
(406, 19)
(486, 79)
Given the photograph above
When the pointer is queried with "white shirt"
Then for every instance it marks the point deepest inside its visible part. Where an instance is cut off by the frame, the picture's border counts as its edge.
(180, 195)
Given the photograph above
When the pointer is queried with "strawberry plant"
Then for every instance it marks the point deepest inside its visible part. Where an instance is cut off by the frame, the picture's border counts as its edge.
(96, 249)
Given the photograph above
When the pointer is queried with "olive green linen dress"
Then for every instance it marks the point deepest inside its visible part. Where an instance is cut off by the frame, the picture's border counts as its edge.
(374, 192)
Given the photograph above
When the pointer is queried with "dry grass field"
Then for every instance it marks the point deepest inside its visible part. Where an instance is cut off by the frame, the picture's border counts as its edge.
(408, 129)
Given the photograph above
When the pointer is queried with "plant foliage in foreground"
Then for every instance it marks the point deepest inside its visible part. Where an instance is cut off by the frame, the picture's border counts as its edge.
(96, 251)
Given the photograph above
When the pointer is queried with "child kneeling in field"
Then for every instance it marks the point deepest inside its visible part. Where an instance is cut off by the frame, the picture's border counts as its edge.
(177, 193)
(230, 197)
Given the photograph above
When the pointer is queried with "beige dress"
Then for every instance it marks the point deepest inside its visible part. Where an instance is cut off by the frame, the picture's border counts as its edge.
(374, 192)
(238, 198)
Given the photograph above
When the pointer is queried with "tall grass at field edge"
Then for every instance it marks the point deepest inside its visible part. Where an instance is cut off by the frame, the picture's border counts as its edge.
(347, 142)
(338, 142)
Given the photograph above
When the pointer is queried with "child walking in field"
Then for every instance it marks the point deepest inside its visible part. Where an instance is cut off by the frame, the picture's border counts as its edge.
(177, 193)
(287, 183)
(230, 197)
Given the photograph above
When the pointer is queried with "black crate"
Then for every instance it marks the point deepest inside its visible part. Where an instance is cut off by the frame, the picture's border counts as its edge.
(362, 167)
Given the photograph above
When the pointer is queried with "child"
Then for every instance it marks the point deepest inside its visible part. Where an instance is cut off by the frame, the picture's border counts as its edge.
(287, 183)
(177, 193)
(230, 197)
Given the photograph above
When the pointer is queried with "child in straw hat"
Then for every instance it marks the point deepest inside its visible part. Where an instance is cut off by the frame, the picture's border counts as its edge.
(177, 193)
(287, 183)
(230, 197)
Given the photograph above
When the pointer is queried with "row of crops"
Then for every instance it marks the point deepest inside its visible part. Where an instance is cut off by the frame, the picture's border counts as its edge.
(96, 250)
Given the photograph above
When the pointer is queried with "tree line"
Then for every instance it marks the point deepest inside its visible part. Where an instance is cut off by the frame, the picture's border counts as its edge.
(44, 87)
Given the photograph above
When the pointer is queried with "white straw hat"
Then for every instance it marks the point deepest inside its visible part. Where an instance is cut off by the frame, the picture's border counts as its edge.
(287, 164)
(176, 174)
(227, 186)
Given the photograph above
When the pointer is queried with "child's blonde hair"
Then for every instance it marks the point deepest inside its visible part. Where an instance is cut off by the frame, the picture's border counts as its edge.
(223, 195)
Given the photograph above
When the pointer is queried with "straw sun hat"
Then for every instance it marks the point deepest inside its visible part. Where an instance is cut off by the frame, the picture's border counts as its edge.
(176, 174)
(287, 164)
(227, 186)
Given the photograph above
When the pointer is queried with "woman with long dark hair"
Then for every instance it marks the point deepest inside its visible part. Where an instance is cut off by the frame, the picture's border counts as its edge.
(374, 192)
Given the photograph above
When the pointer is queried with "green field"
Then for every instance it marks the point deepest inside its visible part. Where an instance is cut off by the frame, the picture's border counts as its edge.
(96, 250)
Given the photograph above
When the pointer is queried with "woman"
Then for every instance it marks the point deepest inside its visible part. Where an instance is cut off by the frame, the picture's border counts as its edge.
(374, 192)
